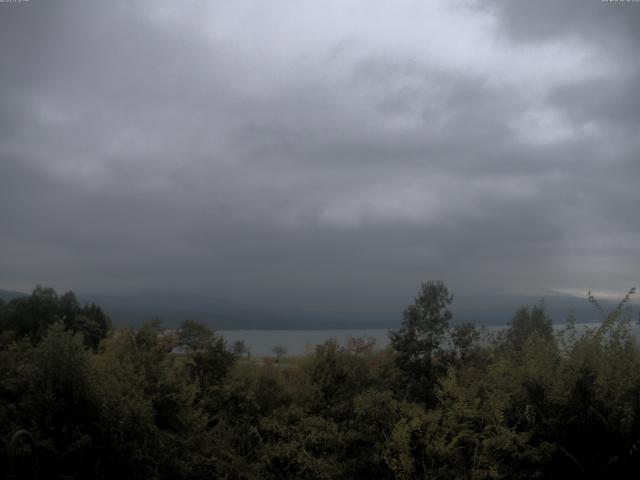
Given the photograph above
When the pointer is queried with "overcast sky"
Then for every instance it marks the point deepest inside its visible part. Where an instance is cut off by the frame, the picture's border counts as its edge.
(326, 154)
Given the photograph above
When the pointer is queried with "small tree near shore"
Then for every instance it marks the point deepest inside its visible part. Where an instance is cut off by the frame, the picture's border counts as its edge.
(419, 339)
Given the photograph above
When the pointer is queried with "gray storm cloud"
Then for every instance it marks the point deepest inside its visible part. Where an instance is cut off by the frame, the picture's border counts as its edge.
(328, 154)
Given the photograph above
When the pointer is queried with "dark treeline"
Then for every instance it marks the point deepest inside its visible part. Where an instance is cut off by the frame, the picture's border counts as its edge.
(442, 402)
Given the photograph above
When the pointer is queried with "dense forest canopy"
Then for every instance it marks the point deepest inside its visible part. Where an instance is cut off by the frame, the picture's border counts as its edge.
(441, 401)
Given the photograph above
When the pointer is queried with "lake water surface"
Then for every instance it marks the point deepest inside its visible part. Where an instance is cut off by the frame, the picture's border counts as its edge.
(298, 342)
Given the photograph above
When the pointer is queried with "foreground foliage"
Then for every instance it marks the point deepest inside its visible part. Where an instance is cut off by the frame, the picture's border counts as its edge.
(440, 402)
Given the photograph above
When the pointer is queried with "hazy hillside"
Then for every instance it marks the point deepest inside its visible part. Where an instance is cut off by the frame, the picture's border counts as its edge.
(9, 294)
(173, 307)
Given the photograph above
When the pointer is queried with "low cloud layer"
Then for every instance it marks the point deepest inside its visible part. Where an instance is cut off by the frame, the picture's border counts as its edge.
(323, 155)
